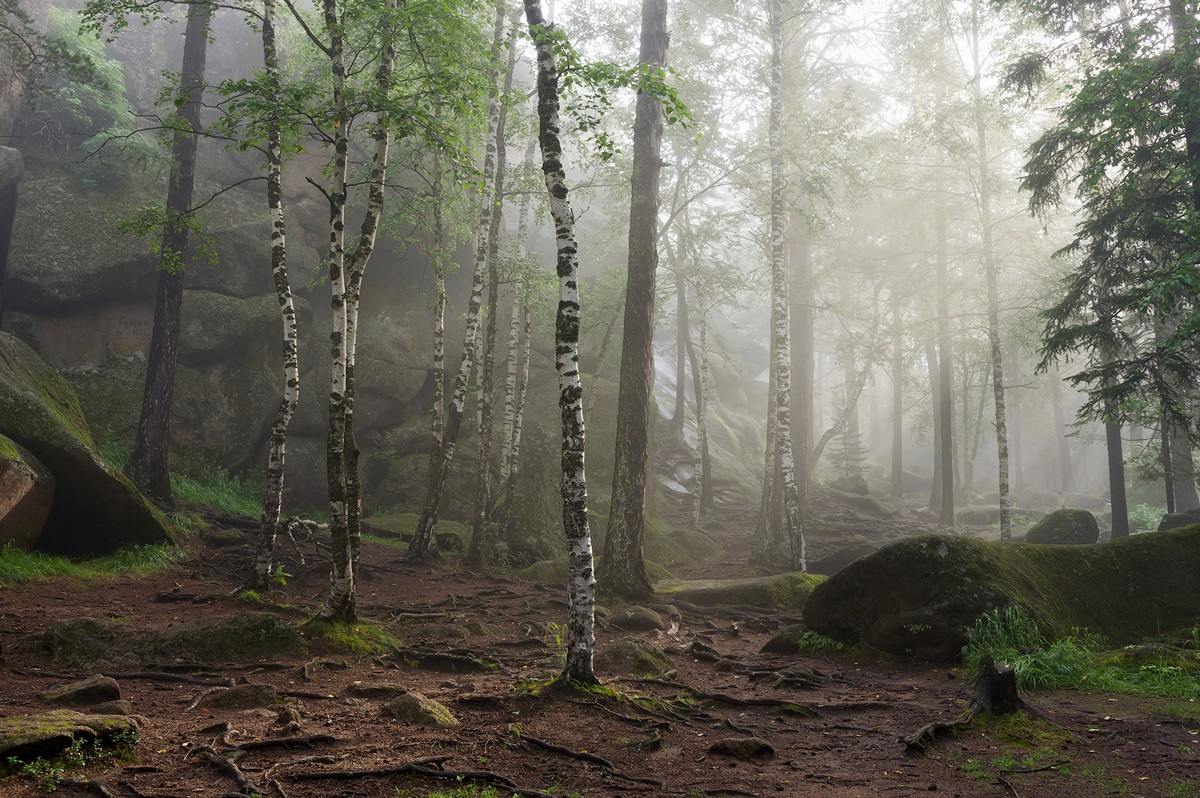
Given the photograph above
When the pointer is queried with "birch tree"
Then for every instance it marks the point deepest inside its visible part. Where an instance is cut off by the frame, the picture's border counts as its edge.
(260, 573)
(581, 639)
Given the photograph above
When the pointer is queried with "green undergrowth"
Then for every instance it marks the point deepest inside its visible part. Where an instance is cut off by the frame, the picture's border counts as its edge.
(358, 639)
(18, 566)
(1168, 667)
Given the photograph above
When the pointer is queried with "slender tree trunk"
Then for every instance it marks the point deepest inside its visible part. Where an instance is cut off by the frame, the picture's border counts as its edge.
(623, 562)
(1060, 434)
(803, 344)
(969, 477)
(706, 490)
(1168, 464)
(1183, 469)
(149, 464)
(780, 340)
(1116, 480)
(1018, 444)
(679, 416)
(424, 543)
(345, 489)
(581, 640)
(990, 277)
(482, 536)
(601, 357)
(440, 261)
(518, 374)
(935, 394)
(700, 461)
(897, 398)
(339, 605)
(260, 572)
(945, 405)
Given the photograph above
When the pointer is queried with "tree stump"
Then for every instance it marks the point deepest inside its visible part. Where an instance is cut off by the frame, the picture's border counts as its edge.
(995, 694)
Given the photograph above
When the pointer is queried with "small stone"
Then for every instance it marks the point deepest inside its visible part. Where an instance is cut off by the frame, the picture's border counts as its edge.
(221, 538)
(637, 619)
(117, 707)
(384, 690)
(742, 748)
(786, 640)
(241, 696)
(418, 710)
(92, 690)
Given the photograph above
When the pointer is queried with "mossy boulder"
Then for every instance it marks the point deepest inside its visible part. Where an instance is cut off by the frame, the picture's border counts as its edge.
(786, 592)
(244, 637)
(26, 737)
(786, 640)
(919, 597)
(1065, 527)
(1177, 520)
(637, 619)
(631, 657)
(26, 495)
(743, 748)
(95, 509)
(418, 710)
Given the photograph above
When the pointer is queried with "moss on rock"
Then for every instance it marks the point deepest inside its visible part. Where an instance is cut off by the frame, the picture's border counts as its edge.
(1065, 527)
(418, 710)
(26, 737)
(920, 596)
(631, 657)
(787, 592)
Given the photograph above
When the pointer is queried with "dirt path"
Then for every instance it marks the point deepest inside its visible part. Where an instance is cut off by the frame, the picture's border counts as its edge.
(838, 738)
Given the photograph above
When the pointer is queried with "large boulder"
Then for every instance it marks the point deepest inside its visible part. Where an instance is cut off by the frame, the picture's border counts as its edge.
(95, 509)
(1065, 527)
(919, 597)
(1177, 520)
(26, 494)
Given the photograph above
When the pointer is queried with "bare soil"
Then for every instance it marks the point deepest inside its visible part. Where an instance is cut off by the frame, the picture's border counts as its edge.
(838, 738)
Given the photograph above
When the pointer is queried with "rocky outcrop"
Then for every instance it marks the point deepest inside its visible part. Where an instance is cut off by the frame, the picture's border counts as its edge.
(95, 509)
(1066, 528)
(919, 597)
(26, 737)
(26, 494)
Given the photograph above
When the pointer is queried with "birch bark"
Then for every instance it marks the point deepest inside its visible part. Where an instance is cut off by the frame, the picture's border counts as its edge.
(262, 564)
(581, 639)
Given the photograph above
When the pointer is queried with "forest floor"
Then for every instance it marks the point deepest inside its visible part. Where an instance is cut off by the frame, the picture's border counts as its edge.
(841, 736)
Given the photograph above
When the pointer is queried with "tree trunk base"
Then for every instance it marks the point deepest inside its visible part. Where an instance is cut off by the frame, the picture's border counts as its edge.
(995, 694)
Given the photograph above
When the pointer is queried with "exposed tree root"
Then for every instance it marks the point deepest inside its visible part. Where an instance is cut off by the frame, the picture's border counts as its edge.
(95, 787)
(733, 701)
(995, 694)
(285, 742)
(230, 769)
(583, 756)
(420, 767)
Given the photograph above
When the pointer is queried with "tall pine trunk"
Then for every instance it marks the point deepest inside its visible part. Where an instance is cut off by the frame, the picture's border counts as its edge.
(945, 405)
(623, 562)
(581, 639)
(990, 275)
(262, 564)
(424, 542)
(897, 398)
(149, 464)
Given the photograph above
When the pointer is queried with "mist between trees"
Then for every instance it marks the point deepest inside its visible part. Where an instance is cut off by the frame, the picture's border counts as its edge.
(936, 260)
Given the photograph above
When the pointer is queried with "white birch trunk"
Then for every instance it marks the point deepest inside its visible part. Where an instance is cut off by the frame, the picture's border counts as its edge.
(781, 342)
(581, 639)
(520, 314)
(260, 574)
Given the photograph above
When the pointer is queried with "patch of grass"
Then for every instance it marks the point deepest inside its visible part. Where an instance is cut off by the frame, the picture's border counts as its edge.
(18, 566)
(220, 490)
(359, 639)
(1081, 660)
(816, 643)
(469, 791)
(1183, 789)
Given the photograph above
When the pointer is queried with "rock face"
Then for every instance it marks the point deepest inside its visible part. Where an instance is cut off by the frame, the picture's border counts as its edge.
(95, 509)
(26, 494)
(919, 597)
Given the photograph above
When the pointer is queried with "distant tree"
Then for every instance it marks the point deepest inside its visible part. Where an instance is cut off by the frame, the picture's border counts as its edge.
(623, 563)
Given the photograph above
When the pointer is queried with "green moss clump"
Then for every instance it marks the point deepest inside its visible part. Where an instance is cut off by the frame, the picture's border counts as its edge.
(358, 639)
